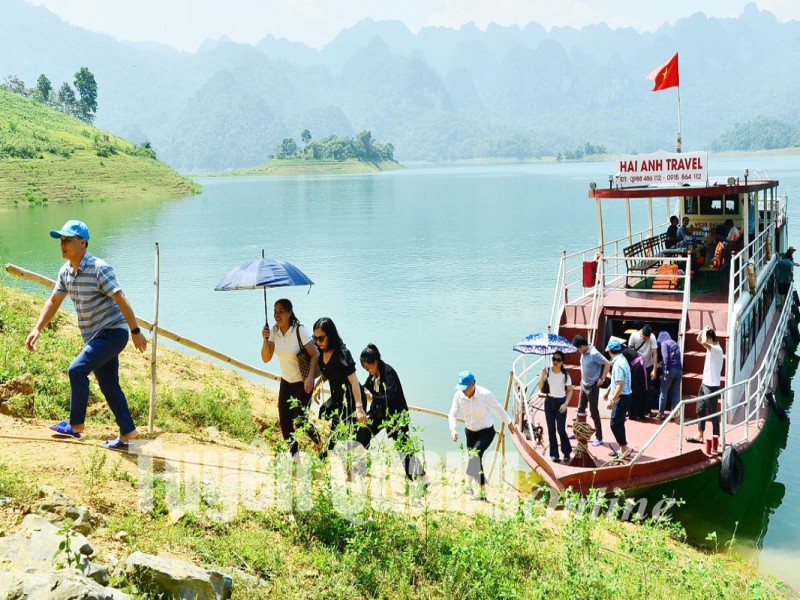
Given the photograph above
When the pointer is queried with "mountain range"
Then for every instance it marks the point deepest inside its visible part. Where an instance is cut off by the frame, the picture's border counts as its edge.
(439, 94)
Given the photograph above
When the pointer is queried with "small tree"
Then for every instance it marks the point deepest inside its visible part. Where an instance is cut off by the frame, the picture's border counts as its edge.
(87, 88)
(15, 85)
(306, 137)
(67, 102)
(43, 89)
(287, 148)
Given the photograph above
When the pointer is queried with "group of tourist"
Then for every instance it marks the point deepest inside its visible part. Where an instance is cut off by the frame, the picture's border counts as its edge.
(629, 376)
(106, 321)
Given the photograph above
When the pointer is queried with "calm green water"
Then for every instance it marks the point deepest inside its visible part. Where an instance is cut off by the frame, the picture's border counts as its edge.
(443, 268)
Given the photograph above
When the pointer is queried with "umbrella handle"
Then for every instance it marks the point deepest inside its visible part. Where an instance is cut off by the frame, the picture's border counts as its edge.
(266, 312)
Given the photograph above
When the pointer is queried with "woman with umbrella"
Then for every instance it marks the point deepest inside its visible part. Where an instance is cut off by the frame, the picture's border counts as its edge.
(287, 339)
(556, 386)
(337, 366)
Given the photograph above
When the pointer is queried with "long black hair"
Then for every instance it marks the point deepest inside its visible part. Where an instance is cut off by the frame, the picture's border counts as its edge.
(370, 354)
(329, 327)
(286, 304)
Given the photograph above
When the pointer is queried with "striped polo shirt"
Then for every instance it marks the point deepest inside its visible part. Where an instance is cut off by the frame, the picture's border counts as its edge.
(90, 290)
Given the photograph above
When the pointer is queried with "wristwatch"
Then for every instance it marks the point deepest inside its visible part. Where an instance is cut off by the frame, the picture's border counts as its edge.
(136, 331)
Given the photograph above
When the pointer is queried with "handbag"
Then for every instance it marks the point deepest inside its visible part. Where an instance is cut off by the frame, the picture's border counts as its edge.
(303, 359)
(546, 386)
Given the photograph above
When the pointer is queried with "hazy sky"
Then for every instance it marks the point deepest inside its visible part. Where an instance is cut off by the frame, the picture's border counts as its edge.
(184, 24)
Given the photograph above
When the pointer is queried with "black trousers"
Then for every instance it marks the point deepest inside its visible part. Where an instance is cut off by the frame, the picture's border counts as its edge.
(479, 442)
(400, 434)
(708, 407)
(293, 403)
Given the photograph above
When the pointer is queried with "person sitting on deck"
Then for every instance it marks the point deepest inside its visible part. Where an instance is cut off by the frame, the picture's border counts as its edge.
(620, 401)
(672, 233)
(685, 233)
(733, 231)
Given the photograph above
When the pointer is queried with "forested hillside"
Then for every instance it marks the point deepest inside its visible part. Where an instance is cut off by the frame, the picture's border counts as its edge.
(437, 94)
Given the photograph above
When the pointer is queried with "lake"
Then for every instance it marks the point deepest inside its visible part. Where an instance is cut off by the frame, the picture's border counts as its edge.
(444, 268)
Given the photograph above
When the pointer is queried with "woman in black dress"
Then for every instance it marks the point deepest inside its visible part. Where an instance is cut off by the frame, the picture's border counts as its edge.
(389, 409)
(337, 366)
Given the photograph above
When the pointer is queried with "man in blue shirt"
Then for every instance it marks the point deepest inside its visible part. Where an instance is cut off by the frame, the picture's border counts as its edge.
(104, 319)
(594, 372)
(620, 401)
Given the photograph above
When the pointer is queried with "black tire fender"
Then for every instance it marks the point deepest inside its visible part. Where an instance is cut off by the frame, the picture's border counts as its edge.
(784, 381)
(731, 471)
(776, 406)
(793, 330)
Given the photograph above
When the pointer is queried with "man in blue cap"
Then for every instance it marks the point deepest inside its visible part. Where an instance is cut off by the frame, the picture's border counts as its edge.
(104, 318)
(476, 403)
(621, 398)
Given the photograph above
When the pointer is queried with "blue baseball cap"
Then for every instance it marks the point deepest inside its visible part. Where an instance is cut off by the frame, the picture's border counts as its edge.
(465, 379)
(614, 346)
(72, 228)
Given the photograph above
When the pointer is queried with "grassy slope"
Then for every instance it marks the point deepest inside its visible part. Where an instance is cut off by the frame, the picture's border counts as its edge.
(64, 164)
(319, 553)
(301, 166)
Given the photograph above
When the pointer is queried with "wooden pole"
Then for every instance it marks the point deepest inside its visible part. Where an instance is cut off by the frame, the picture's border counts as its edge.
(501, 440)
(153, 348)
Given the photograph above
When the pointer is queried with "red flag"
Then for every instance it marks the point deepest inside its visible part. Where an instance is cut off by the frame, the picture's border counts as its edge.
(665, 76)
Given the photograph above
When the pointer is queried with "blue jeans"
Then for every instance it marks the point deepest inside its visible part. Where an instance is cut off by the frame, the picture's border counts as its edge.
(101, 355)
(556, 420)
(618, 414)
(670, 386)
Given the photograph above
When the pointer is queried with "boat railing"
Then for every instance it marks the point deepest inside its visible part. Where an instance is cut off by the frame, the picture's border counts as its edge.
(673, 283)
(754, 256)
(570, 274)
(523, 377)
(752, 391)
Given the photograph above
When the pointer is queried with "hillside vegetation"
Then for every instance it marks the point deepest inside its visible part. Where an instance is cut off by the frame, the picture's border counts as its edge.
(47, 156)
(314, 551)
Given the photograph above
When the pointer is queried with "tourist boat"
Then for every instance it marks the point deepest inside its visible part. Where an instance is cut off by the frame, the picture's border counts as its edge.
(612, 288)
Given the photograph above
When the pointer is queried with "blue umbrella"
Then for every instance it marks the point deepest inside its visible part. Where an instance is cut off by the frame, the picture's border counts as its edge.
(545, 343)
(263, 273)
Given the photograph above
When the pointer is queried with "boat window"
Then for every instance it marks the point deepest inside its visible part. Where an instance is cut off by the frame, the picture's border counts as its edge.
(691, 205)
(720, 205)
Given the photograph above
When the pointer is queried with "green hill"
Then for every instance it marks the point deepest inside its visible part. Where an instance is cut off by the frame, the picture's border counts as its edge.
(48, 156)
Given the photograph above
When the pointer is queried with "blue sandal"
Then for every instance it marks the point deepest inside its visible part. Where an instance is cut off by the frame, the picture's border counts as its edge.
(116, 444)
(64, 428)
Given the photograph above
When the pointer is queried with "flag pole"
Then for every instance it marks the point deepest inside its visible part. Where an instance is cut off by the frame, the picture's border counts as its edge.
(678, 142)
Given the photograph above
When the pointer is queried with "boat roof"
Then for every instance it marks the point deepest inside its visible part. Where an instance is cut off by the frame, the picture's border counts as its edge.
(669, 190)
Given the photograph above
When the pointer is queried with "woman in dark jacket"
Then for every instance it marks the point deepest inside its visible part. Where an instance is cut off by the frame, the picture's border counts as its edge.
(337, 366)
(389, 409)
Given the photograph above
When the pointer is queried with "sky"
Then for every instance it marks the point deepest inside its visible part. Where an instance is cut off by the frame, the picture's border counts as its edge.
(184, 24)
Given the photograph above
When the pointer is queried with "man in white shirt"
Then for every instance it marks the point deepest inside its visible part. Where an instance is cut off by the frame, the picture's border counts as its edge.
(476, 403)
(733, 231)
(712, 381)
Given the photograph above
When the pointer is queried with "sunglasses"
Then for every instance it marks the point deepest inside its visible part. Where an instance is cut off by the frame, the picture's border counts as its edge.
(556, 359)
(319, 338)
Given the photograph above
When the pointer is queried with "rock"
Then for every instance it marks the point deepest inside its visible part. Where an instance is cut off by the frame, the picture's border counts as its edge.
(121, 535)
(36, 545)
(58, 507)
(178, 578)
(86, 549)
(213, 433)
(96, 572)
(175, 515)
(65, 584)
(16, 386)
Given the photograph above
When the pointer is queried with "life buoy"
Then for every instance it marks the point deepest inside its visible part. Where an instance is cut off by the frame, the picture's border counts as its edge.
(731, 471)
(751, 278)
(768, 247)
(776, 406)
(784, 382)
(793, 330)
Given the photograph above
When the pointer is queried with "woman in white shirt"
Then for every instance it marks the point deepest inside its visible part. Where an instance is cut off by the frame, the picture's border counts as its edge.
(286, 338)
(476, 403)
(557, 393)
